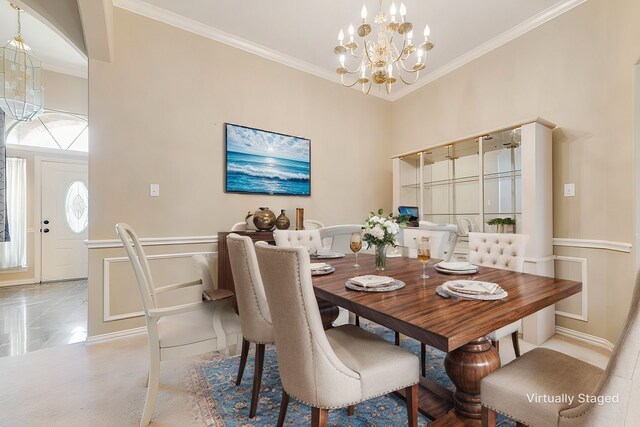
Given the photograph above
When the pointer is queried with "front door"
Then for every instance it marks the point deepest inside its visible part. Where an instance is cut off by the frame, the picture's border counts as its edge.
(64, 220)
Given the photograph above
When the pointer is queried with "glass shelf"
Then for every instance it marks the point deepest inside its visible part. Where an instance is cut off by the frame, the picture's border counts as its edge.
(452, 181)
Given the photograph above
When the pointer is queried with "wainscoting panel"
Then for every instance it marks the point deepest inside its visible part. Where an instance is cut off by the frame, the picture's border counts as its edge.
(121, 295)
(573, 268)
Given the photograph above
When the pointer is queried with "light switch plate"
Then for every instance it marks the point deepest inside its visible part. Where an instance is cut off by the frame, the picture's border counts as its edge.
(569, 190)
(154, 190)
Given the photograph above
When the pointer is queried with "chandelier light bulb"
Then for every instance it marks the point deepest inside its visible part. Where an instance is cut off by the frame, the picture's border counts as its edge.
(342, 60)
(427, 31)
(340, 36)
(409, 37)
(392, 12)
(390, 70)
(363, 14)
(351, 30)
(403, 11)
(364, 70)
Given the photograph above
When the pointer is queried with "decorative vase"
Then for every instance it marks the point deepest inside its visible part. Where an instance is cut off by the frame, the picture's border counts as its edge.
(264, 219)
(381, 257)
(282, 222)
(299, 218)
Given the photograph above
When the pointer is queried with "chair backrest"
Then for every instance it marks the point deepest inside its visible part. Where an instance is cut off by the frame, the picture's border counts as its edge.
(252, 302)
(239, 226)
(621, 378)
(201, 263)
(339, 236)
(140, 265)
(310, 370)
(312, 224)
(498, 250)
(310, 239)
(465, 226)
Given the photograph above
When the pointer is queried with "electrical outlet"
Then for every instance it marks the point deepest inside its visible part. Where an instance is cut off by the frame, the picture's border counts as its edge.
(154, 190)
(569, 190)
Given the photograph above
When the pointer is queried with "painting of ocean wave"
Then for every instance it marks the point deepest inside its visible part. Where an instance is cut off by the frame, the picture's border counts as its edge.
(266, 162)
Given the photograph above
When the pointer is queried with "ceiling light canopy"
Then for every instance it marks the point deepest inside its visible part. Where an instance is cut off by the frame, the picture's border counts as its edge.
(21, 94)
(388, 55)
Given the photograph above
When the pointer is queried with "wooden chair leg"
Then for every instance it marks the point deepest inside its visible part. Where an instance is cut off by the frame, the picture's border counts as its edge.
(496, 344)
(351, 409)
(243, 360)
(284, 404)
(516, 343)
(257, 379)
(397, 338)
(357, 322)
(423, 359)
(519, 424)
(412, 405)
(319, 417)
(488, 417)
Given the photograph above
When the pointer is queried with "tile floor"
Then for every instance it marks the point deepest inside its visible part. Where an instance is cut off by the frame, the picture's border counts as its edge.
(33, 317)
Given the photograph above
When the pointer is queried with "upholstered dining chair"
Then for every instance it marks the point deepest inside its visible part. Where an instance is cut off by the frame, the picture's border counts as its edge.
(252, 305)
(337, 238)
(312, 240)
(180, 330)
(326, 369)
(543, 372)
(505, 251)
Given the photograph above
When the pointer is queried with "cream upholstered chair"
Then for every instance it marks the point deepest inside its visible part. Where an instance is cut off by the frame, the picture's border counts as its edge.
(177, 331)
(544, 372)
(239, 226)
(310, 239)
(253, 308)
(312, 224)
(505, 251)
(333, 369)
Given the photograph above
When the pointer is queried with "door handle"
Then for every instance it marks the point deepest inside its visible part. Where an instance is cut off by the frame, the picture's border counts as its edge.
(45, 222)
(46, 230)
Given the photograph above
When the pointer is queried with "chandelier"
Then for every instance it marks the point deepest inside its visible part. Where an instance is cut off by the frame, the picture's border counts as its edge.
(387, 55)
(20, 77)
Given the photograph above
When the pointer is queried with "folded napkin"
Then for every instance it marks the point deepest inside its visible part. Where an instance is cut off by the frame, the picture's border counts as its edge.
(318, 265)
(371, 280)
(471, 287)
(456, 266)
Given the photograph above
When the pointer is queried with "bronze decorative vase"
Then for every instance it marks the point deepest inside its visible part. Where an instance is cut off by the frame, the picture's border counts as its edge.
(282, 222)
(264, 219)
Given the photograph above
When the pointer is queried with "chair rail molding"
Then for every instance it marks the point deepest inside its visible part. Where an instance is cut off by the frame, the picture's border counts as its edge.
(583, 316)
(592, 244)
(107, 262)
(153, 241)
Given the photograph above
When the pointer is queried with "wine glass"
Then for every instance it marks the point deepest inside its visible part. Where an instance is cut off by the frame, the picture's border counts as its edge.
(356, 244)
(424, 255)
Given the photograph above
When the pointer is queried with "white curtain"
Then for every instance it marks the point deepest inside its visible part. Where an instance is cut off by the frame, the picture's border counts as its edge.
(14, 253)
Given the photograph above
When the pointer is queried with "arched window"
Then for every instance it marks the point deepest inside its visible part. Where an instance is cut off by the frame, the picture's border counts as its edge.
(53, 129)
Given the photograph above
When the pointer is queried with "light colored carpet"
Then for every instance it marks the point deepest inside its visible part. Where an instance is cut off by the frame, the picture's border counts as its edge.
(100, 384)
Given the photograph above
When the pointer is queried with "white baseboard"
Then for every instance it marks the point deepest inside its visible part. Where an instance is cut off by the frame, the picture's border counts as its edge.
(117, 335)
(581, 336)
(31, 281)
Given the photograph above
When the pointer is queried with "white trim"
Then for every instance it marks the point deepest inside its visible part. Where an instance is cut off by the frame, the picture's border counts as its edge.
(116, 335)
(636, 136)
(70, 70)
(153, 241)
(178, 21)
(581, 336)
(107, 316)
(6, 283)
(547, 258)
(592, 244)
(584, 312)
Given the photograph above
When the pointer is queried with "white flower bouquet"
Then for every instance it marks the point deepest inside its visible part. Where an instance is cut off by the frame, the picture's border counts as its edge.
(380, 230)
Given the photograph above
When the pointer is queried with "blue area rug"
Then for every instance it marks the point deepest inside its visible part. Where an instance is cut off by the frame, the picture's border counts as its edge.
(225, 404)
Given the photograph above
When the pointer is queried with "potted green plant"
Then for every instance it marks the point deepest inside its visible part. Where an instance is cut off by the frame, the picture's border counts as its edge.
(509, 225)
(497, 222)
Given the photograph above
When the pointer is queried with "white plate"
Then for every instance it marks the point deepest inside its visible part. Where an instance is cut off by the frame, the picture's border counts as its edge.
(396, 284)
(328, 256)
(445, 271)
(444, 290)
(323, 271)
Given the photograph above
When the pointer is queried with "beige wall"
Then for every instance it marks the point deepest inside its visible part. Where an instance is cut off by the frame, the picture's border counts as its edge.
(576, 71)
(157, 115)
(65, 93)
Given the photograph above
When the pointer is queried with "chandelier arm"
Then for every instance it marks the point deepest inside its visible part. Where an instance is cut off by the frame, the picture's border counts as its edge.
(366, 49)
(410, 83)
(401, 62)
(345, 84)
(404, 45)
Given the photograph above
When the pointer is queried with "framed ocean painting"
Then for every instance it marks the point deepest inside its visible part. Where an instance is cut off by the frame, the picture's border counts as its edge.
(263, 162)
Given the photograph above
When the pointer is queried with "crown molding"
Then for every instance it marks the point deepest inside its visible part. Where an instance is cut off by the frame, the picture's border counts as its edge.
(153, 12)
(504, 38)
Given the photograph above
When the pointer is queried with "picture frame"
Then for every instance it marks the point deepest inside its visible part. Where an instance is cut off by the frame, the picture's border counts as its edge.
(264, 162)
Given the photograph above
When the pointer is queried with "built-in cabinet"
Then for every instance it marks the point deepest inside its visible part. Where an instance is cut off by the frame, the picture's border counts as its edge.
(503, 174)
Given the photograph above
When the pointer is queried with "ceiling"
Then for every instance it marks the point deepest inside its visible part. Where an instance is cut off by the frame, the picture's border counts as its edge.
(303, 33)
(47, 45)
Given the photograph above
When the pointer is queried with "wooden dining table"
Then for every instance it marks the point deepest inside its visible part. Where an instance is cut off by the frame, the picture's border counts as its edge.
(455, 326)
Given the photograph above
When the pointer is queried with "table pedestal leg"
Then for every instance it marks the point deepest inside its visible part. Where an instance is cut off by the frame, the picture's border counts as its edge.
(466, 366)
